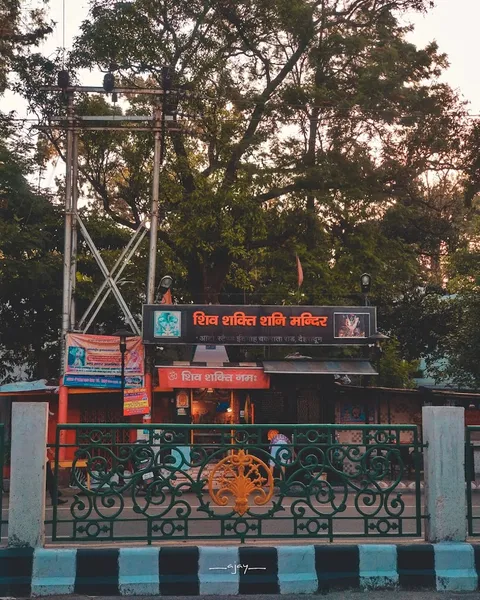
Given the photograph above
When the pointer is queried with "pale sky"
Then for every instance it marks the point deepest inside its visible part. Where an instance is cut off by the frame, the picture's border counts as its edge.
(452, 23)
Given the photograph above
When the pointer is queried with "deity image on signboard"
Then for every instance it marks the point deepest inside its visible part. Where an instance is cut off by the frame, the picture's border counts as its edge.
(351, 325)
(167, 323)
(352, 413)
(76, 356)
(134, 360)
(183, 400)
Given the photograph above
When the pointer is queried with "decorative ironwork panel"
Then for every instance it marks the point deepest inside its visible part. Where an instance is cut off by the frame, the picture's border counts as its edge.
(472, 445)
(4, 455)
(240, 482)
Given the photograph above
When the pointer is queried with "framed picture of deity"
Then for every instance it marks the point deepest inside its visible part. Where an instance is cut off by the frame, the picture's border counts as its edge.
(351, 325)
(183, 399)
(352, 413)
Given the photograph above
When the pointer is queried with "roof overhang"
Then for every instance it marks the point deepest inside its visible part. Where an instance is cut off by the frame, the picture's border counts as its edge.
(319, 367)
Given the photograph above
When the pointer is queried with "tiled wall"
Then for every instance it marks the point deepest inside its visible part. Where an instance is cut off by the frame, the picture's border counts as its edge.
(403, 411)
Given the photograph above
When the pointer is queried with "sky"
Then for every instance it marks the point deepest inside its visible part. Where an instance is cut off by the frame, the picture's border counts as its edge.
(452, 23)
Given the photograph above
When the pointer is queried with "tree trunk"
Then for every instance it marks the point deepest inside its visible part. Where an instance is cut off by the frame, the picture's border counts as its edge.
(207, 275)
(41, 370)
(436, 268)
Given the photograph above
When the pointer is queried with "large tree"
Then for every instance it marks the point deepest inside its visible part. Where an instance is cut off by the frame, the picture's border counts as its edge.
(21, 27)
(299, 125)
(30, 266)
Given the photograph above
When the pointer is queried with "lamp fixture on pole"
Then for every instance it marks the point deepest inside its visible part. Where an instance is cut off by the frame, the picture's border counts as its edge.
(376, 340)
(163, 287)
(123, 334)
(365, 283)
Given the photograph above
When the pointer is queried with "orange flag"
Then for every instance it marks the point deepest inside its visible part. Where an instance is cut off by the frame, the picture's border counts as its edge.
(299, 271)
(167, 298)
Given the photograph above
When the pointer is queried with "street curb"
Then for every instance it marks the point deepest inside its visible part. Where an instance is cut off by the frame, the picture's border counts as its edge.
(233, 570)
(455, 567)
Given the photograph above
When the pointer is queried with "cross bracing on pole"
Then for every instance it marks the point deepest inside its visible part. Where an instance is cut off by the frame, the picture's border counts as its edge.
(105, 289)
(108, 278)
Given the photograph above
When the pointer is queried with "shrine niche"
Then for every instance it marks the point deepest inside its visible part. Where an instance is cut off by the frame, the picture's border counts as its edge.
(212, 407)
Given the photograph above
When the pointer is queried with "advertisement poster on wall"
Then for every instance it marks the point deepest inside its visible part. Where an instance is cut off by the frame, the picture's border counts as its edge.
(135, 402)
(94, 361)
(352, 413)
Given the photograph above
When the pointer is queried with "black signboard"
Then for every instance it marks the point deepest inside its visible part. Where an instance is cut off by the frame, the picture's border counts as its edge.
(252, 325)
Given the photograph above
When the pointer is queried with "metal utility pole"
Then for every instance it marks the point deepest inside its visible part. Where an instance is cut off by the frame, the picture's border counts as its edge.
(73, 124)
(152, 259)
(67, 253)
(73, 270)
(160, 117)
(158, 156)
(67, 277)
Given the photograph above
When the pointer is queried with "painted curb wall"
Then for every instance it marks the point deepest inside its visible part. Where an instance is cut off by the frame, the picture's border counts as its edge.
(233, 570)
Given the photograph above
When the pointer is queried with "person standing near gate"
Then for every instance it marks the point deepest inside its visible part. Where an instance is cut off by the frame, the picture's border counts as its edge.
(281, 450)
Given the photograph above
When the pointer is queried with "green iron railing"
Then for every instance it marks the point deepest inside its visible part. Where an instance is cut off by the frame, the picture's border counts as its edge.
(472, 516)
(227, 482)
(4, 454)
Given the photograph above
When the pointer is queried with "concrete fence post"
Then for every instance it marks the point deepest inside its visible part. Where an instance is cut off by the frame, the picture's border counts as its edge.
(26, 517)
(444, 469)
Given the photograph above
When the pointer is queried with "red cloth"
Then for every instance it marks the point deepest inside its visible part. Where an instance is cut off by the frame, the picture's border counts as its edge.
(300, 272)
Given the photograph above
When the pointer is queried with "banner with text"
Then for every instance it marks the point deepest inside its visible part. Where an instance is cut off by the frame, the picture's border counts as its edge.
(135, 402)
(220, 378)
(95, 361)
(251, 325)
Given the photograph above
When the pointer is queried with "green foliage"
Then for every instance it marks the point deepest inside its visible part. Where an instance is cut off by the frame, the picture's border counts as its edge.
(21, 27)
(393, 370)
(455, 360)
(293, 138)
(30, 266)
(303, 129)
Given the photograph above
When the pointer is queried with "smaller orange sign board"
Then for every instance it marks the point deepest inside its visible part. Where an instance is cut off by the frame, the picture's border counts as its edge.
(136, 402)
(230, 378)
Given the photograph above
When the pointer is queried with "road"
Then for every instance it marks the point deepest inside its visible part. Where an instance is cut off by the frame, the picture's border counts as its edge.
(130, 525)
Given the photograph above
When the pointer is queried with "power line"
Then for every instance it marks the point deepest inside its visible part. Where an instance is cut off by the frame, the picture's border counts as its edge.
(286, 119)
(63, 32)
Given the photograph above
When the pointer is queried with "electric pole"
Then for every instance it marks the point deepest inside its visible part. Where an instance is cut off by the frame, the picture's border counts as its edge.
(73, 124)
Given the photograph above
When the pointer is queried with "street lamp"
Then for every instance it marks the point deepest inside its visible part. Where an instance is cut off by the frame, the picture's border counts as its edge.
(163, 287)
(377, 338)
(123, 334)
(365, 283)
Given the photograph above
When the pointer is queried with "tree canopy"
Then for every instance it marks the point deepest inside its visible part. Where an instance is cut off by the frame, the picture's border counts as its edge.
(309, 127)
(21, 28)
(298, 124)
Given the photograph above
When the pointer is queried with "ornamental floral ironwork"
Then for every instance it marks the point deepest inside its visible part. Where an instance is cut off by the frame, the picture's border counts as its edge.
(239, 476)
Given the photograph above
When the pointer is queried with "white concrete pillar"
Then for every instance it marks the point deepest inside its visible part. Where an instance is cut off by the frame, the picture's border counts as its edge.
(26, 517)
(444, 468)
